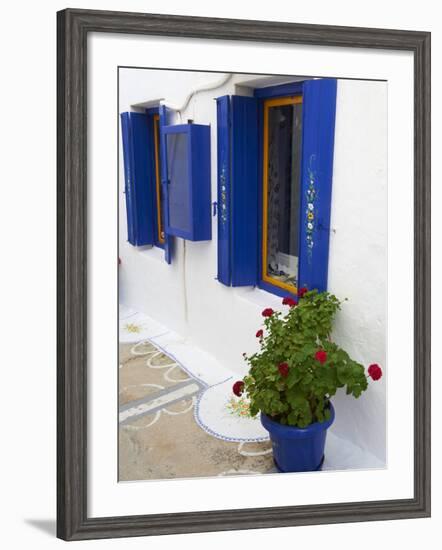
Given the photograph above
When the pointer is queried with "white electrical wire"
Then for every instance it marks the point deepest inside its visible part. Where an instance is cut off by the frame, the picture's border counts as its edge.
(179, 108)
(202, 88)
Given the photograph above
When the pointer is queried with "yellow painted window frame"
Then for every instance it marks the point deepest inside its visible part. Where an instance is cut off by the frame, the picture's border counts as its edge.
(268, 104)
(156, 132)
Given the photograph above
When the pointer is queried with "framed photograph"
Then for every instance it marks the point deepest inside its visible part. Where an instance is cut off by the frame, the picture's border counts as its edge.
(243, 274)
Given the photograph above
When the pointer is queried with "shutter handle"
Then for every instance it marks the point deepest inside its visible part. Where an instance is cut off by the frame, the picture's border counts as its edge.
(215, 207)
(322, 227)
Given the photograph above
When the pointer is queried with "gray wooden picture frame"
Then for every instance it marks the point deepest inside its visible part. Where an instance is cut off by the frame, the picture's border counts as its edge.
(73, 27)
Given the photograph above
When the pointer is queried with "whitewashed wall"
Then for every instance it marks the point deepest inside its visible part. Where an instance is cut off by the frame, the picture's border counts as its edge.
(185, 295)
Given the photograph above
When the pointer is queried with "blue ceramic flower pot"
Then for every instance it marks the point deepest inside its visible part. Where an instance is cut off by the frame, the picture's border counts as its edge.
(298, 449)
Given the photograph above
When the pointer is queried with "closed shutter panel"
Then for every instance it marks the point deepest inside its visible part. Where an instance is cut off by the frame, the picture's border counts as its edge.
(138, 184)
(319, 108)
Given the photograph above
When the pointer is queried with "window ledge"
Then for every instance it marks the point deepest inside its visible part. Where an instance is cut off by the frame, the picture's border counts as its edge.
(258, 297)
(150, 251)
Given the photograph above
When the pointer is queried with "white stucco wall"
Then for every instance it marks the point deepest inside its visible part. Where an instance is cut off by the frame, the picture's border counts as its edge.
(185, 295)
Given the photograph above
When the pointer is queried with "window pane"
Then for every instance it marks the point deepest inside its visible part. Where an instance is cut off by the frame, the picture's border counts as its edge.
(179, 188)
(283, 192)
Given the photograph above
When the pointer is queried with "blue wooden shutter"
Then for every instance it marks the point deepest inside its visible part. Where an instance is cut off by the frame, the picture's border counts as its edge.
(237, 190)
(138, 184)
(129, 189)
(223, 155)
(165, 116)
(244, 191)
(319, 108)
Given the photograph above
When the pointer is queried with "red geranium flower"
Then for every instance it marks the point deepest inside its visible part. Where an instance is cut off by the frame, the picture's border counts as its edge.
(268, 312)
(321, 356)
(283, 369)
(302, 291)
(288, 301)
(375, 371)
(259, 333)
(238, 388)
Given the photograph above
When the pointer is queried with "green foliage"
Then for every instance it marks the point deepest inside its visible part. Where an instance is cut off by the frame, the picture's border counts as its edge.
(301, 397)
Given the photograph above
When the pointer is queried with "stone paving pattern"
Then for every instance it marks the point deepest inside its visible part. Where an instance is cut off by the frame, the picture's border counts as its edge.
(159, 438)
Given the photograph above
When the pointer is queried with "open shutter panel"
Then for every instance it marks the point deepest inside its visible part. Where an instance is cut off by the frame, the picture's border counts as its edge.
(319, 108)
(165, 120)
(244, 191)
(128, 177)
(223, 154)
(237, 135)
(138, 191)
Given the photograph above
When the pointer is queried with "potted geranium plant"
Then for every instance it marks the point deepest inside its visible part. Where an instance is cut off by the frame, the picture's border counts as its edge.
(294, 375)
